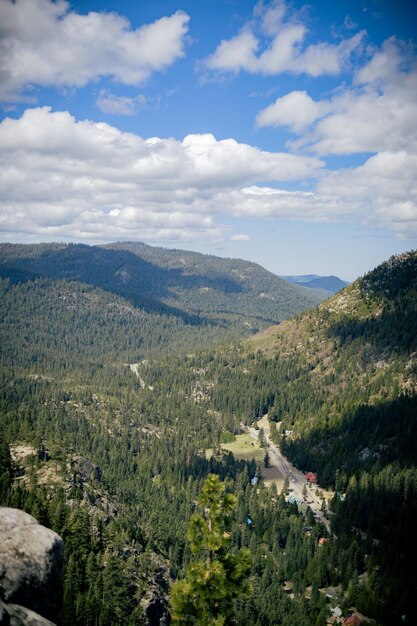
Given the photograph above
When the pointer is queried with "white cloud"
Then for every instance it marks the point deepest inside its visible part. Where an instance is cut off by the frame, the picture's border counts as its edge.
(282, 45)
(60, 177)
(108, 102)
(296, 110)
(383, 189)
(239, 238)
(386, 64)
(44, 43)
(271, 203)
(377, 113)
(349, 23)
(271, 16)
(235, 54)
(367, 195)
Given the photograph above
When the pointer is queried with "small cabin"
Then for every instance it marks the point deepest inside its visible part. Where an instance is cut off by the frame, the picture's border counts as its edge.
(311, 477)
(353, 620)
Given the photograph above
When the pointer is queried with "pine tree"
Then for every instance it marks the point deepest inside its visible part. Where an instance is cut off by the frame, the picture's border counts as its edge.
(261, 438)
(5, 469)
(205, 597)
(116, 605)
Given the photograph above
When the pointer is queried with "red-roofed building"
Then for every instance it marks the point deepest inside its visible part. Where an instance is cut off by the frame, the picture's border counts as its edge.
(311, 477)
(353, 620)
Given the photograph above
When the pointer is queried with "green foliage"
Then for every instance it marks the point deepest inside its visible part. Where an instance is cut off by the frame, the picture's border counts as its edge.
(5, 468)
(227, 437)
(340, 381)
(130, 300)
(206, 595)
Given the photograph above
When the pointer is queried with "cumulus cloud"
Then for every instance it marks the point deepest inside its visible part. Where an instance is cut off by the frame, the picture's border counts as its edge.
(370, 195)
(376, 113)
(44, 43)
(296, 110)
(263, 202)
(60, 177)
(383, 190)
(89, 181)
(271, 45)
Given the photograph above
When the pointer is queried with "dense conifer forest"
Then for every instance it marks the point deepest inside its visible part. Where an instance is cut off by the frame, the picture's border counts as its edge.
(112, 393)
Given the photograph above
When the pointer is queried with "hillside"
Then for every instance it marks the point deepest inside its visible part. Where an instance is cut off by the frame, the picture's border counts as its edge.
(171, 282)
(340, 382)
(358, 346)
(52, 324)
(127, 301)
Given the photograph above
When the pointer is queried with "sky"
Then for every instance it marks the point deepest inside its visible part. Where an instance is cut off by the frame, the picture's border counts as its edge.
(283, 133)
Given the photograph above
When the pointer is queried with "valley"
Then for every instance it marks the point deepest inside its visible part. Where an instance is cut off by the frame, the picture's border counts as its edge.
(298, 486)
(115, 386)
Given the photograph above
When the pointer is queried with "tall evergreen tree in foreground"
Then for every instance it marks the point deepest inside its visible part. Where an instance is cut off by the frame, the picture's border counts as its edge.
(219, 574)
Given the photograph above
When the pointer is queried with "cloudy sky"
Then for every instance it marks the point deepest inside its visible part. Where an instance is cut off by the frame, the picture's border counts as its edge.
(280, 132)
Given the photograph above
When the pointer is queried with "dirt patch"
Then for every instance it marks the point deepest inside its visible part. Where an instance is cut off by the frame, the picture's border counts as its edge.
(272, 475)
(20, 453)
(49, 474)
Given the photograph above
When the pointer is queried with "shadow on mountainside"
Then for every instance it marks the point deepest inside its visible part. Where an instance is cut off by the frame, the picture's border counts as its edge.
(367, 439)
(121, 272)
(393, 325)
(394, 329)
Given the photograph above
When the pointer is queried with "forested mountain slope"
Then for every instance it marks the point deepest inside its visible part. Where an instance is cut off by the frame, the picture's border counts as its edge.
(51, 324)
(192, 288)
(206, 283)
(356, 350)
(341, 382)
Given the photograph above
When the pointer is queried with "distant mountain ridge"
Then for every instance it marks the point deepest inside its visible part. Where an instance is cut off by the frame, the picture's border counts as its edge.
(332, 283)
(151, 298)
(188, 280)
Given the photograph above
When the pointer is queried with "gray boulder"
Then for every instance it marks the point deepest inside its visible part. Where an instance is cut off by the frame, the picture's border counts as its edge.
(31, 564)
(16, 615)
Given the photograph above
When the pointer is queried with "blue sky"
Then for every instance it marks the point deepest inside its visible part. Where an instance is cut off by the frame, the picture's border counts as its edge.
(280, 132)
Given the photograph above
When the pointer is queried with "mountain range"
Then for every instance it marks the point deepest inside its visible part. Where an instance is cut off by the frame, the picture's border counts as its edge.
(332, 284)
(168, 294)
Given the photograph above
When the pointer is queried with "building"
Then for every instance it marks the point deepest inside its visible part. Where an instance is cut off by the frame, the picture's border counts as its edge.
(353, 620)
(311, 477)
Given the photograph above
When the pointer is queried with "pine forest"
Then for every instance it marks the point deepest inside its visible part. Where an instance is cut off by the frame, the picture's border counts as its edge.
(146, 397)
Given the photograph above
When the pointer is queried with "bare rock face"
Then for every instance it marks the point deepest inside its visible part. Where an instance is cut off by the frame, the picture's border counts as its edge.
(16, 615)
(31, 562)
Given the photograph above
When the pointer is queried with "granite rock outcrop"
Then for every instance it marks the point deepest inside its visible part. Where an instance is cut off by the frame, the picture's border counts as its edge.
(31, 566)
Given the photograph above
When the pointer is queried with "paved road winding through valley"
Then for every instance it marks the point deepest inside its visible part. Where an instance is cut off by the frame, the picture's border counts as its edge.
(296, 478)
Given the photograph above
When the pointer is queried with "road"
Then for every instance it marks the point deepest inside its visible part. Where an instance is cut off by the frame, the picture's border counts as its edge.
(296, 478)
